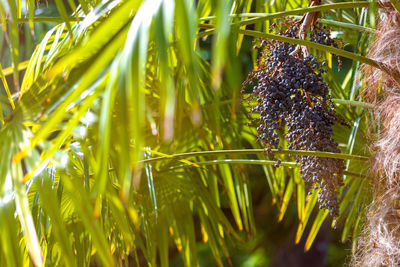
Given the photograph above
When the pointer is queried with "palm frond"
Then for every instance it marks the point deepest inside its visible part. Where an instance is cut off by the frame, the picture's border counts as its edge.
(122, 133)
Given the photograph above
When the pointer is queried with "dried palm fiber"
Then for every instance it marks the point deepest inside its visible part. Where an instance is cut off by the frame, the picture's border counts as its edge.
(379, 244)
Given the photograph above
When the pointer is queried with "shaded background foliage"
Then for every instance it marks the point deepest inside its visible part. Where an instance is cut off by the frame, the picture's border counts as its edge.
(96, 99)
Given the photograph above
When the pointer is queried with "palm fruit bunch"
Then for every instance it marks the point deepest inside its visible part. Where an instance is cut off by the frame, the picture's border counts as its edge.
(290, 95)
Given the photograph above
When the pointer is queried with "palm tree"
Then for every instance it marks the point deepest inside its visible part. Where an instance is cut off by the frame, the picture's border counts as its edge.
(121, 136)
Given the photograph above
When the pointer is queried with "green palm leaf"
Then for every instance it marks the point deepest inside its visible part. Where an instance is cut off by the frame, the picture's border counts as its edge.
(127, 137)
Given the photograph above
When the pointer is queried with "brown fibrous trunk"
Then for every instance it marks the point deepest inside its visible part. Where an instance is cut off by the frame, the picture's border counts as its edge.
(379, 244)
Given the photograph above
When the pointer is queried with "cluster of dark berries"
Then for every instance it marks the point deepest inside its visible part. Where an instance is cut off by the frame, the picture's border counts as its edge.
(320, 35)
(289, 90)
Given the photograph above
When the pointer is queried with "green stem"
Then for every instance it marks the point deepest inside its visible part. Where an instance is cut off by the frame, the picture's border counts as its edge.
(359, 175)
(257, 17)
(344, 25)
(352, 103)
(205, 33)
(299, 11)
(237, 161)
(335, 51)
(321, 47)
(258, 151)
(44, 19)
(253, 162)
